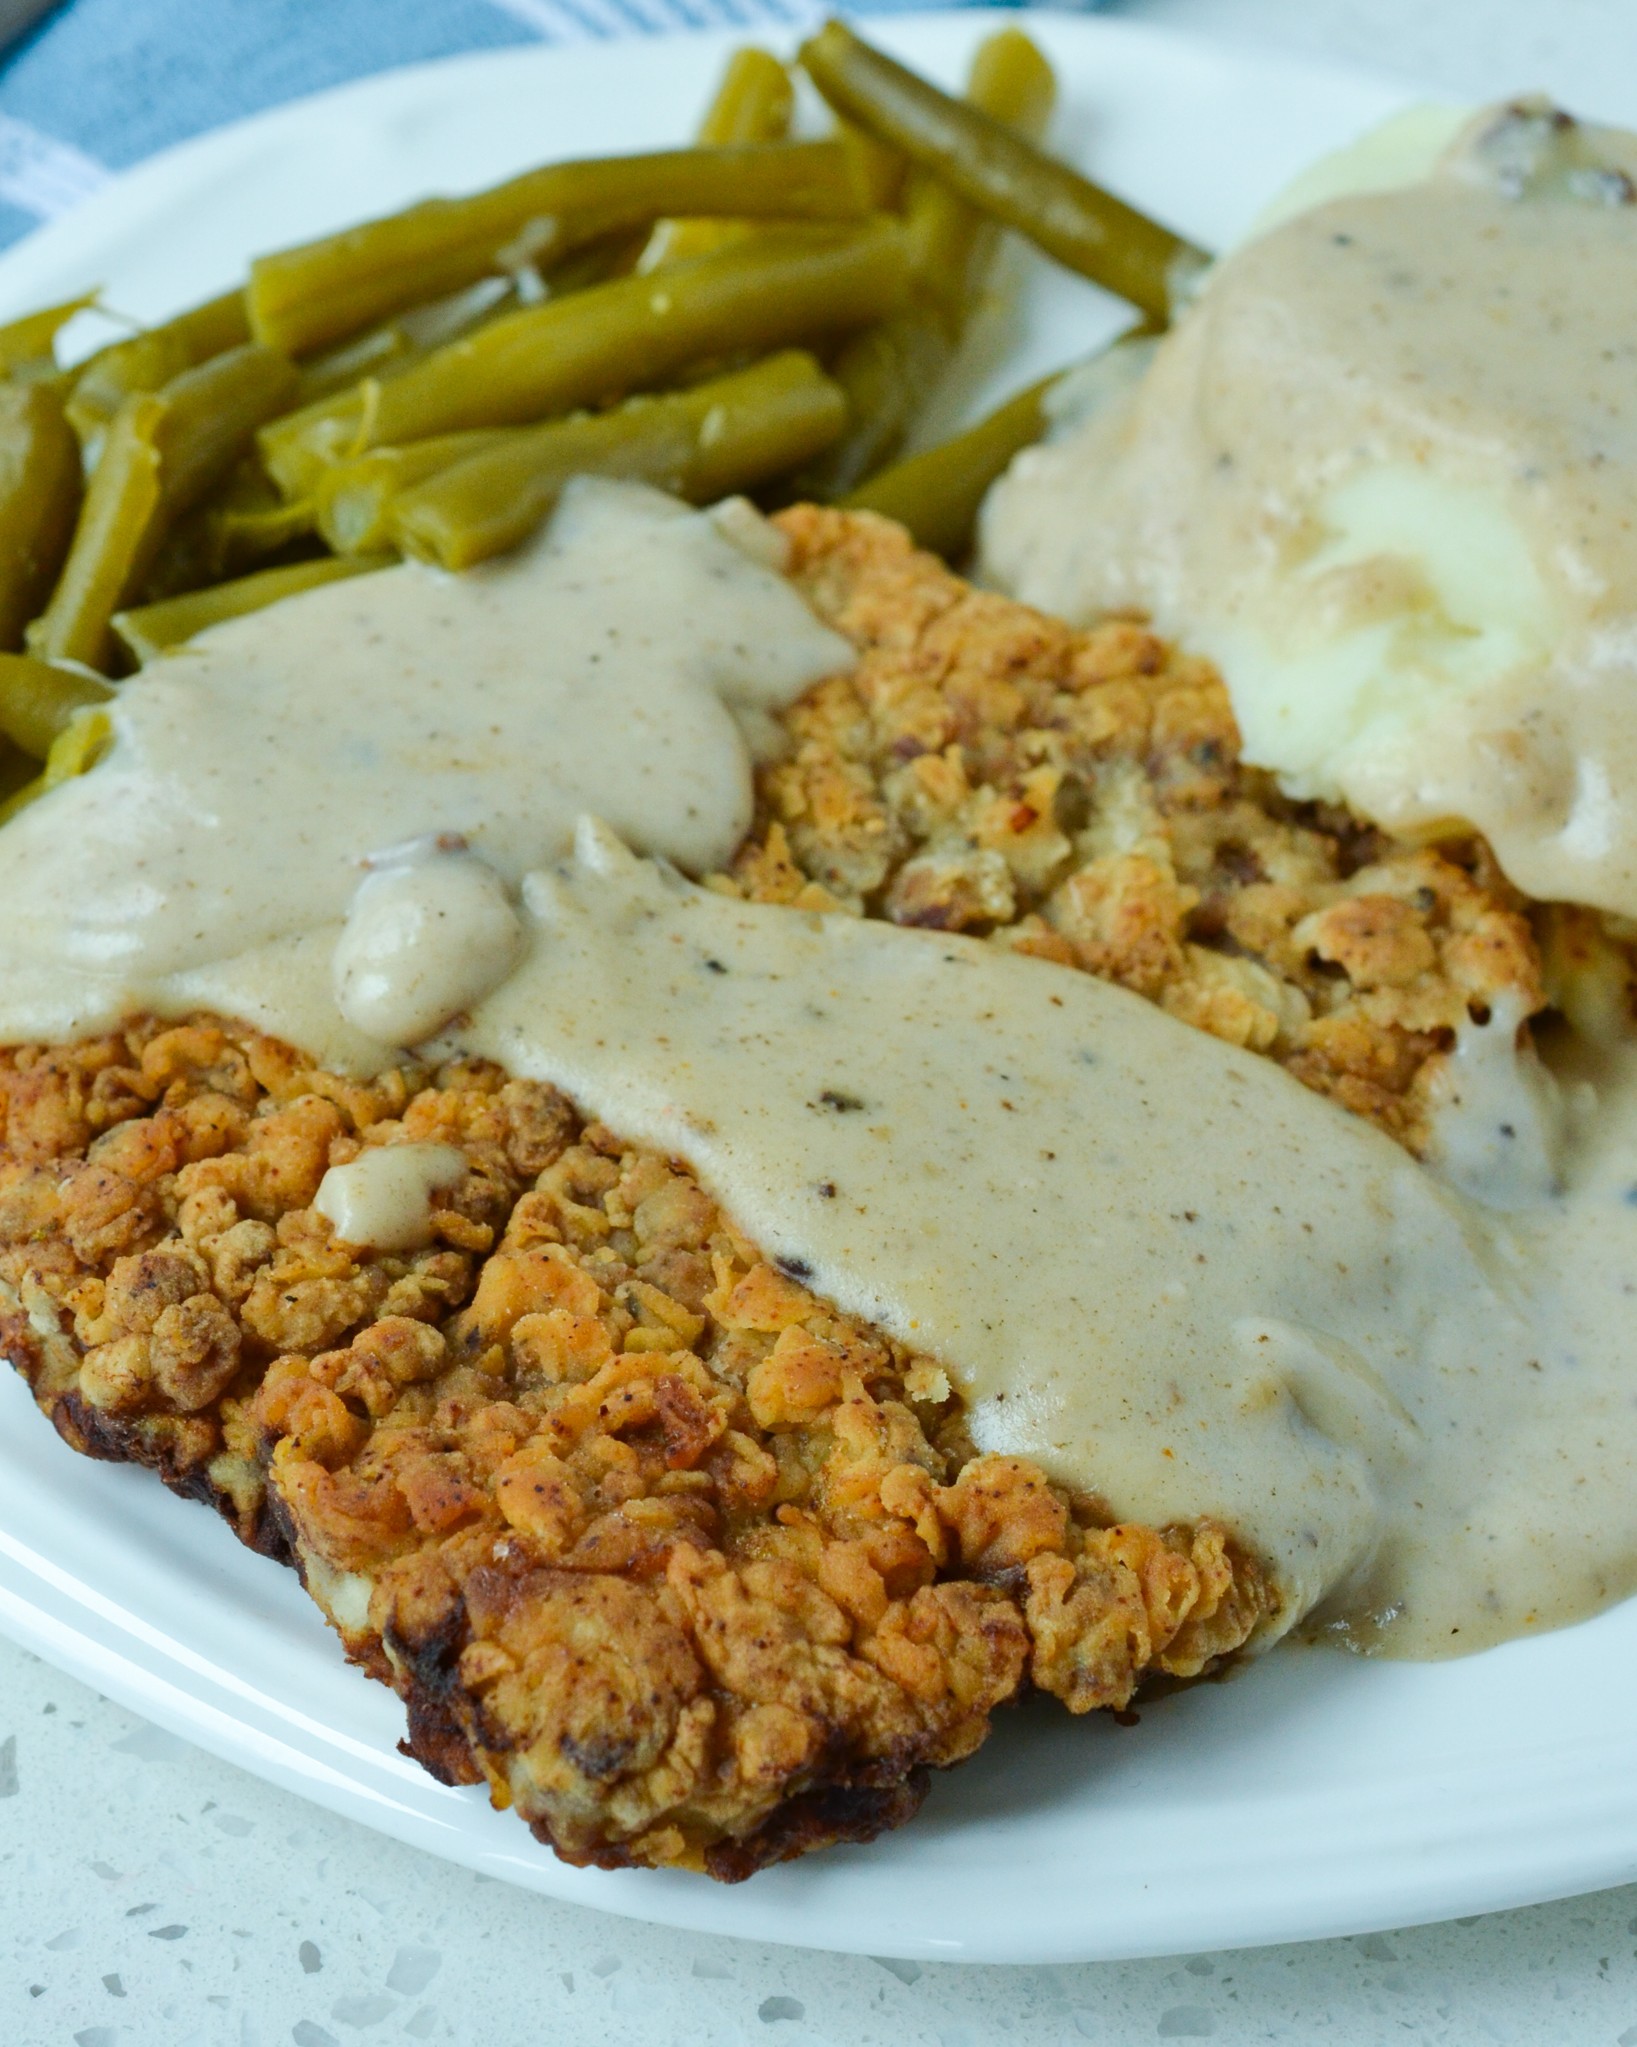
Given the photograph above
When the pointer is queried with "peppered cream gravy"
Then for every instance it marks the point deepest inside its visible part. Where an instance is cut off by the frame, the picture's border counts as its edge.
(259, 772)
(1148, 1260)
(384, 1197)
(1153, 1262)
(1384, 473)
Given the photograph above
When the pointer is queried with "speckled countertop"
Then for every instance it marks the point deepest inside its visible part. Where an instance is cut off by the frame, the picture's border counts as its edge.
(151, 1896)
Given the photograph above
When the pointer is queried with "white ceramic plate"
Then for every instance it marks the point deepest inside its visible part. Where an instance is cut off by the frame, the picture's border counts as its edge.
(1312, 1794)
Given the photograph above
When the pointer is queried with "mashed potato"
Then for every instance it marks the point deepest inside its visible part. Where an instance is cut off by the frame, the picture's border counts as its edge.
(1383, 473)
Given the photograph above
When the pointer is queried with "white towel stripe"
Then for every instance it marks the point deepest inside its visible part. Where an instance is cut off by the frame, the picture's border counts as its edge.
(566, 21)
(41, 175)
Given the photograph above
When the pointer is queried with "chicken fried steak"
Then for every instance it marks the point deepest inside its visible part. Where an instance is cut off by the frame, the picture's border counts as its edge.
(689, 1568)
(692, 1570)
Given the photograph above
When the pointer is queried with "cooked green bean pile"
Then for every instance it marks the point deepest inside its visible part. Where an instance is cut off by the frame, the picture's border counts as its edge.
(754, 313)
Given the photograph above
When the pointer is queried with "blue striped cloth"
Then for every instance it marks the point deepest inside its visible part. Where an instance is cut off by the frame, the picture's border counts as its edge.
(100, 84)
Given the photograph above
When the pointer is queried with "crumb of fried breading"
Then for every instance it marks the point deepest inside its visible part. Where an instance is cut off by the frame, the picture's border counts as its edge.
(1079, 795)
(688, 1568)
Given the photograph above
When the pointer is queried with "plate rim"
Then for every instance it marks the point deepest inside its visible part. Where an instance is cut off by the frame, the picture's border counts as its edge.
(94, 1652)
(126, 187)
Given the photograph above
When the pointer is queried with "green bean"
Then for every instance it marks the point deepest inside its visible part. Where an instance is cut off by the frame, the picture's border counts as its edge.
(885, 373)
(216, 541)
(1012, 80)
(352, 500)
(143, 363)
(37, 701)
(605, 342)
(81, 743)
(26, 345)
(114, 540)
(234, 528)
(78, 746)
(237, 535)
(298, 447)
(164, 452)
(148, 361)
(17, 771)
(304, 298)
(184, 559)
(937, 495)
(209, 329)
(247, 487)
(407, 337)
(721, 436)
(888, 370)
(951, 241)
(155, 628)
(39, 499)
(753, 103)
(1074, 221)
(211, 414)
(17, 793)
(76, 749)
(400, 342)
(614, 255)
(879, 168)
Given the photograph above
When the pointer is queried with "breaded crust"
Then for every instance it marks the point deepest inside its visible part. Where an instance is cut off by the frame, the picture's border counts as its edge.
(687, 1567)
(690, 1569)
(1079, 795)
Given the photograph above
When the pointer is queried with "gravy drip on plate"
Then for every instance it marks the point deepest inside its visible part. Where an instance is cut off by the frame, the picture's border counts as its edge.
(1383, 472)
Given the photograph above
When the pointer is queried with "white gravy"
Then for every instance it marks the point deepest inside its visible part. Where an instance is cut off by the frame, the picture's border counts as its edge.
(1154, 1263)
(383, 1198)
(1383, 472)
(1148, 1260)
(427, 933)
(255, 773)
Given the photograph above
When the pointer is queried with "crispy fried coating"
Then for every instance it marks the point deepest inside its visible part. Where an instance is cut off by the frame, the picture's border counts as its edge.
(689, 1568)
(685, 1566)
(1079, 795)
